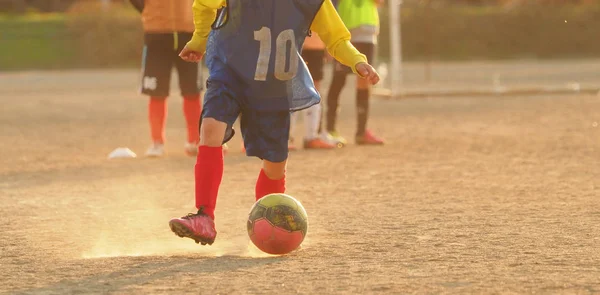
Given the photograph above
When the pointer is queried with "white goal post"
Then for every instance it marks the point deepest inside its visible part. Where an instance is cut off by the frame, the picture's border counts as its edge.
(395, 72)
(396, 83)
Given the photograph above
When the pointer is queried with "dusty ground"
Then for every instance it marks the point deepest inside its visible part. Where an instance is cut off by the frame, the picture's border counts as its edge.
(470, 195)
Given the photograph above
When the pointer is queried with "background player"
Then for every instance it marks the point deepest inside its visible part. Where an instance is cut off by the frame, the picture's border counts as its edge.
(168, 26)
(313, 53)
(256, 71)
(361, 17)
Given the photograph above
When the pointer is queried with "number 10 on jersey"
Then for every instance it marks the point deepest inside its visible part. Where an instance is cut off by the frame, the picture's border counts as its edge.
(283, 56)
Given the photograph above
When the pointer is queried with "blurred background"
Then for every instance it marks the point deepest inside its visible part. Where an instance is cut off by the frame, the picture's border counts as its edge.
(446, 44)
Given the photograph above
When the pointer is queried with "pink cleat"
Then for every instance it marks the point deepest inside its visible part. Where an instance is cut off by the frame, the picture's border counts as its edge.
(198, 227)
(368, 139)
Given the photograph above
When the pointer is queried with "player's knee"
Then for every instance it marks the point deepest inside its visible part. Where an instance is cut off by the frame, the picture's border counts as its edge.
(212, 132)
(274, 170)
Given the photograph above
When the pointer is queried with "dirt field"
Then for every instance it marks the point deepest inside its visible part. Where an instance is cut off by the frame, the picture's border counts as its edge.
(479, 195)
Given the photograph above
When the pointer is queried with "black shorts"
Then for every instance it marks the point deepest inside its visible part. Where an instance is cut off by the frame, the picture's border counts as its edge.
(368, 49)
(161, 53)
(265, 134)
(314, 62)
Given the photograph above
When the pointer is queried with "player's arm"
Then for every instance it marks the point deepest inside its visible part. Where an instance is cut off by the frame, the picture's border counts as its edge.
(205, 12)
(335, 35)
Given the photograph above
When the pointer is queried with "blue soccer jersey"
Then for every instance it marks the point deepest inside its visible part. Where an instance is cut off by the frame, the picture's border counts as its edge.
(255, 46)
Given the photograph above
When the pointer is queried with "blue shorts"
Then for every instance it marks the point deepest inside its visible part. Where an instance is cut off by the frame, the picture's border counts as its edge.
(265, 134)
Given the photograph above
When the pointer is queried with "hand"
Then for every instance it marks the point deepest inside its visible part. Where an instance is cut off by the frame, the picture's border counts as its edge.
(366, 71)
(190, 55)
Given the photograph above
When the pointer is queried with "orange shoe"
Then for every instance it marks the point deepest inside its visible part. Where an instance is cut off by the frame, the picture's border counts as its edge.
(368, 138)
(198, 227)
(318, 143)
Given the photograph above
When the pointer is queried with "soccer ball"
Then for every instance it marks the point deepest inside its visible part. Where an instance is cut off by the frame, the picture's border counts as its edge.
(277, 224)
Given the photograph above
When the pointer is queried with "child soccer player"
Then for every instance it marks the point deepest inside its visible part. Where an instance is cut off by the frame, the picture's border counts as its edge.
(313, 53)
(362, 18)
(168, 26)
(252, 54)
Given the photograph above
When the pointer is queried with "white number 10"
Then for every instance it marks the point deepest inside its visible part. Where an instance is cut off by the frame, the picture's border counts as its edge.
(282, 56)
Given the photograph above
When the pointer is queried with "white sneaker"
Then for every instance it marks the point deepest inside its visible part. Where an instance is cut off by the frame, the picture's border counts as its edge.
(191, 149)
(325, 136)
(156, 150)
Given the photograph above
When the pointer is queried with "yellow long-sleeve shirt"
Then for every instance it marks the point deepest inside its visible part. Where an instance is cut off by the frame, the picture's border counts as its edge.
(327, 24)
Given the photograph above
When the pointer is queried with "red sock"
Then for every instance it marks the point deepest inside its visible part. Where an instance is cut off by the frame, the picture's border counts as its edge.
(157, 114)
(191, 111)
(208, 174)
(265, 185)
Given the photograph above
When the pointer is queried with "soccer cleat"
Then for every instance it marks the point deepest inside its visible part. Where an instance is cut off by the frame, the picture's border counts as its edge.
(191, 149)
(368, 138)
(156, 150)
(318, 143)
(337, 138)
(327, 138)
(198, 227)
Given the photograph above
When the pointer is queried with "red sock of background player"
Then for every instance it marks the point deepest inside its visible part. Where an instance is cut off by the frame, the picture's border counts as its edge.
(191, 111)
(265, 185)
(157, 115)
(208, 176)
